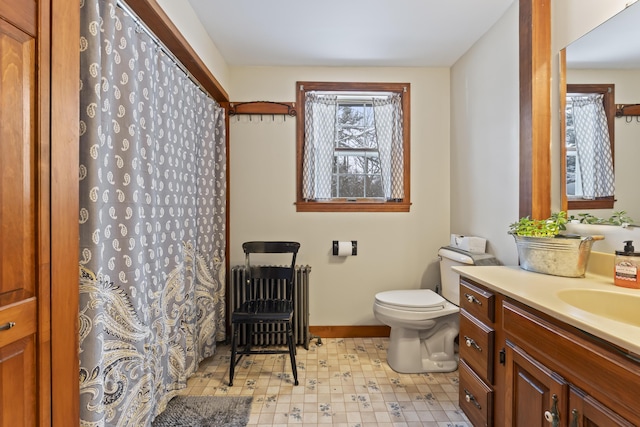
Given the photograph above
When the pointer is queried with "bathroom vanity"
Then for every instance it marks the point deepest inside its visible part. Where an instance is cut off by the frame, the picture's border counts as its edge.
(544, 350)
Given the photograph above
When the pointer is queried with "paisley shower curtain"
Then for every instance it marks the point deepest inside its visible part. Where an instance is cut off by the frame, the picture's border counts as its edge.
(152, 222)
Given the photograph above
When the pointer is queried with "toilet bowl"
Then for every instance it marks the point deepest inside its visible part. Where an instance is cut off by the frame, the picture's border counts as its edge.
(423, 330)
(424, 324)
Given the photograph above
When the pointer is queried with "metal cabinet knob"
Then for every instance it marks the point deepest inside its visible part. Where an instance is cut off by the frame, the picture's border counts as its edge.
(575, 416)
(472, 299)
(548, 416)
(471, 399)
(7, 326)
(553, 416)
(470, 342)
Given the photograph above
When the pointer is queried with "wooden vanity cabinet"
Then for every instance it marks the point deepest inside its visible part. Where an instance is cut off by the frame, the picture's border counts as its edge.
(480, 376)
(533, 370)
(557, 373)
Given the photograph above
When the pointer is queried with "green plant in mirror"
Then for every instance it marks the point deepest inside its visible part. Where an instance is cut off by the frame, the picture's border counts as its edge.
(617, 218)
(549, 227)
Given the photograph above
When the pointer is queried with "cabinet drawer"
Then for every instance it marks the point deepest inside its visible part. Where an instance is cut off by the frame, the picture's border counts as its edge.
(476, 398)
(477, 345)
(17, 321)
(477, 301)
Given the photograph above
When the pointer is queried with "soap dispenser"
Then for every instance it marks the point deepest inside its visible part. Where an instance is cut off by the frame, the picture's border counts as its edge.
(627, 263)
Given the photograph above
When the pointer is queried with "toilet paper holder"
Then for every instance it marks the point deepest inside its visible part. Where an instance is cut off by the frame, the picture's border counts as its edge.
(354, 247)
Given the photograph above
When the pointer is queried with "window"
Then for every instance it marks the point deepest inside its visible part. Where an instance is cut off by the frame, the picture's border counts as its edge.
(352, 147)
(589, 178)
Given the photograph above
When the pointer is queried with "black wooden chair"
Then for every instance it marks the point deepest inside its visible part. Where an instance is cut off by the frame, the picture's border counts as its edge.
(267, 302)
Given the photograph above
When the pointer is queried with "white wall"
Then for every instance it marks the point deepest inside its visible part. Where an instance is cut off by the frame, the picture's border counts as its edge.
(187, 21)
(395, 250)
(485, 138)
(626, 137)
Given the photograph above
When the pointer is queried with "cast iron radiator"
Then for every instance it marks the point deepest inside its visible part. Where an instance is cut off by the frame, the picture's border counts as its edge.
(301, 335)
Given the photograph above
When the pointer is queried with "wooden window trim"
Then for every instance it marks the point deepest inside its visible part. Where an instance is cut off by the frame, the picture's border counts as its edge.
(362, 205)
(608, 90)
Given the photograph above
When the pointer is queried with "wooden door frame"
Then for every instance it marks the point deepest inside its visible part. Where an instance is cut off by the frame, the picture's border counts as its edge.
(65, 116)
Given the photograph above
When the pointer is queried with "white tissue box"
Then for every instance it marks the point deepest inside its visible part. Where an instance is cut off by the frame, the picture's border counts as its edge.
(476, 245)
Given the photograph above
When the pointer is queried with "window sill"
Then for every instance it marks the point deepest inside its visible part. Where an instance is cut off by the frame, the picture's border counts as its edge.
(362, 206)
(599, 203)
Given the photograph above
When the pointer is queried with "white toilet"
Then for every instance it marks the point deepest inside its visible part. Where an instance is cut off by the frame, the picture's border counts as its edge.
(424, 324)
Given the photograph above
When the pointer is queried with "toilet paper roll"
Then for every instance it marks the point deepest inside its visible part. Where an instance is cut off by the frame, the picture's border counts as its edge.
(345, 248)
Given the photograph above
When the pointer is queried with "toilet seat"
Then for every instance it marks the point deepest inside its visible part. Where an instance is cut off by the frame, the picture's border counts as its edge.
(415, 300)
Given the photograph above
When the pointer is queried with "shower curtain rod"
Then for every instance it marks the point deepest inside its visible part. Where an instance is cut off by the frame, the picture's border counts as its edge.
(140, 25)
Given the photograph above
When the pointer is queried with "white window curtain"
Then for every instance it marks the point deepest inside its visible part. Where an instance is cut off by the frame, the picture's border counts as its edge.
(593, 146)
(320, 123)
(388, 122)
(319, 144)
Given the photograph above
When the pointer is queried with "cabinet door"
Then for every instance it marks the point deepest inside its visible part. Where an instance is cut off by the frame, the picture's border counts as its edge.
(535, 396)
(588, 412)
(20, 242)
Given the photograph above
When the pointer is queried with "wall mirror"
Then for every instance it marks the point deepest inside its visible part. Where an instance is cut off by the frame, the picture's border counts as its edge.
(609, 55)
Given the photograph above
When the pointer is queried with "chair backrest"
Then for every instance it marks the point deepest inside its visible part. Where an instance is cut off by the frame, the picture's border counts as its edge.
(265, 281)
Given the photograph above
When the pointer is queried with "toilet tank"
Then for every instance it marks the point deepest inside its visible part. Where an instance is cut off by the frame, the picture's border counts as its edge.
(450, 280)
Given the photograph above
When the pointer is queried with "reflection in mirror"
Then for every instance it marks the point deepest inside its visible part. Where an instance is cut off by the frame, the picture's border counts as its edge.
(609, 55)
(589, 146)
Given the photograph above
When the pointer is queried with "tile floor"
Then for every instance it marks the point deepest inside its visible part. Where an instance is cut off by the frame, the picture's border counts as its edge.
(344, 382)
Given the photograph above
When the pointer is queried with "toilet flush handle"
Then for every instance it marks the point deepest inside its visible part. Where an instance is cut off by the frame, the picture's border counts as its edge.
(472, 299)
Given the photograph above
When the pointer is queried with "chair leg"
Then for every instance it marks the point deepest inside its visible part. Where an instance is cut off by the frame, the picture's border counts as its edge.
(234, 341)
(251, 327)
(292, 354)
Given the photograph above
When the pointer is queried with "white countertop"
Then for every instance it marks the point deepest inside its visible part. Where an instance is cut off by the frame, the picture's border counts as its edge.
(539, 291)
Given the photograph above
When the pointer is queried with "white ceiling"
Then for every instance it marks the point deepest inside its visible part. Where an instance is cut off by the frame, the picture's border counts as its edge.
(425, 33)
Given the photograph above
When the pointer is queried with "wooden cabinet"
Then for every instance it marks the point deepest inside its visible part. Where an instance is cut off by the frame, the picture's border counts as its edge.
(38, 225)
(19, 219)
(535, 394)
(578, 381)
(478, 361)
(585, 411)
(529, 369)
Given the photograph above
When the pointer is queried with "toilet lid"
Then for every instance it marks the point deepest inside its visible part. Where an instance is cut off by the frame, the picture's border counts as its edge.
(413, 299)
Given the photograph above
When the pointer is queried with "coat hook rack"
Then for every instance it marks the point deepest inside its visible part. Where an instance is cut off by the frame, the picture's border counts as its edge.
(263, 107)
(627, 110)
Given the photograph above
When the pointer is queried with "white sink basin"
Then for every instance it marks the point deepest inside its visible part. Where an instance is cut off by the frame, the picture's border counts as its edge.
(616, 306)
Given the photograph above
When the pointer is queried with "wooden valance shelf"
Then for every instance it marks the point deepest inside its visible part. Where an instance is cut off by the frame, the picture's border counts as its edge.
(262, 107)
(627, 110)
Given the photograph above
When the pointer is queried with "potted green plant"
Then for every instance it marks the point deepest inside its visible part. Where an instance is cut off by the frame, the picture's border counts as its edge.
(550, 227)
(543, 248)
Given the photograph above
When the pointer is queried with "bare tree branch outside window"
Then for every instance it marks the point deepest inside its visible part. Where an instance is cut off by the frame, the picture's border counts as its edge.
(356, 168)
